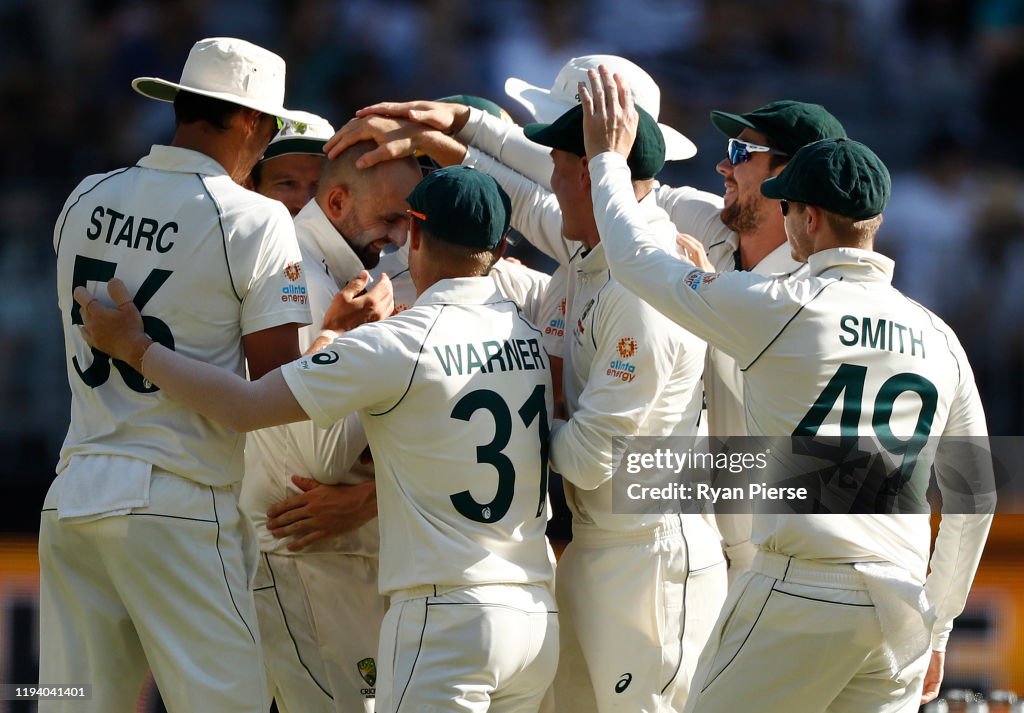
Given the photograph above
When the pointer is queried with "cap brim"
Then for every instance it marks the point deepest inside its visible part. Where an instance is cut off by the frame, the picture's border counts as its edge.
(162, 90)
(732, 125)
(677, 146)
(539, 102)
(287, 147)
(539, 134)
(772, 188)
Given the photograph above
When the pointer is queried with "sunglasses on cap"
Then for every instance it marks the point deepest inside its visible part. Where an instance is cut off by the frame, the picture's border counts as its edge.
(739, 151)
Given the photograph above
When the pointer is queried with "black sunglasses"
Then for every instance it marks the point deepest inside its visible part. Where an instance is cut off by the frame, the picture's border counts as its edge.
(784, 207)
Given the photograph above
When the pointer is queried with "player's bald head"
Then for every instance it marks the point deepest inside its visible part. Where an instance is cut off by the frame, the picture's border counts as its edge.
(342, 170)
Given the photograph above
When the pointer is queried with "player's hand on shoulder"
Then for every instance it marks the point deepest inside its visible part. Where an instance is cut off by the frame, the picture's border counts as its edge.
(692, 250)
(116, 331)
(355, 305)
(321, 511)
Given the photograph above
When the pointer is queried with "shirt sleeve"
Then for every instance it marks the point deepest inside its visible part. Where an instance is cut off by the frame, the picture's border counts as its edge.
(552, 313)
(615, 403)
(266, 264)
(509, 145)
(737, 312)
(535, 211)
(963, 468)
(366, 368)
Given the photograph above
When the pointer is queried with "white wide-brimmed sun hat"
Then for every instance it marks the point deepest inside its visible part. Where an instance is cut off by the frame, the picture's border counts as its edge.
(546, 105)
(230, 69)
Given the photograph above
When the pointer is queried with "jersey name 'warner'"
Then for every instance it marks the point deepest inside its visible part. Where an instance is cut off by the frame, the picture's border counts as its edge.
(508, 355)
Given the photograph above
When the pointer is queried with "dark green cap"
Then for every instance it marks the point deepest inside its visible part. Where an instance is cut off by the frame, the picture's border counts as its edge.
(566, 133)
(786, 124)
(840, 175)
(463, 206)
(477, 103)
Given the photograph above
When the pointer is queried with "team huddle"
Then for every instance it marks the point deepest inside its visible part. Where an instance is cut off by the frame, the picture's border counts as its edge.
(377, 542)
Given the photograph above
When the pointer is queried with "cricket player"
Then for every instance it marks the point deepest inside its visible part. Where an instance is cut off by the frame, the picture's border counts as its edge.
(321, 656)
(146, 560)
(454, 394)
(289, 170)
(628, 372)
(838, 612)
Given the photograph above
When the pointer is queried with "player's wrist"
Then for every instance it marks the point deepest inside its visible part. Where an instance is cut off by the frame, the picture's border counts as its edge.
(137, 350)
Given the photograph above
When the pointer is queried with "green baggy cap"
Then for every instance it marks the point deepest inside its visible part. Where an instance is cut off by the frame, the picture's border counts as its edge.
(786, 124)
(463, 206)
(565, 133)
(840, 175)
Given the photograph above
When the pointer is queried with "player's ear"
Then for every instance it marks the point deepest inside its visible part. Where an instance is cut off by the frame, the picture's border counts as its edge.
(585, 172)
(415, 237)
(814, 217)
(337, 203)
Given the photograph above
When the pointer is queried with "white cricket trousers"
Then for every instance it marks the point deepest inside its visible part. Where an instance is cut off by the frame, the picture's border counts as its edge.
(320, 617)
(489, 647)
(165, 588)
(635, 610)
(799, 635)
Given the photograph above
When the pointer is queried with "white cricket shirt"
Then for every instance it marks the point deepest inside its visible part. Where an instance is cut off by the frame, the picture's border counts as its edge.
(455, 397)
(629, 371)
(207, 262)
(842, 328)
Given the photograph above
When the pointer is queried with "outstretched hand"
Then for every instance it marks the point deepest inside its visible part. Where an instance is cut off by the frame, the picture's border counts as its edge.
(609, 117)
(116, 331)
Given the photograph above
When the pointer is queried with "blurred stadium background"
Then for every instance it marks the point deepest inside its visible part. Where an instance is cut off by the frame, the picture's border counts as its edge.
(929, 84)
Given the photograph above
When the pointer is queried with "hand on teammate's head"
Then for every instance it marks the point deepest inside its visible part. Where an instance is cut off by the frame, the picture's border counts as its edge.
(610, 119)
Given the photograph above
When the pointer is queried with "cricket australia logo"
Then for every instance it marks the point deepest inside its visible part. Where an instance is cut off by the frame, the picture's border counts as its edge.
(368, 671)
(293, 271)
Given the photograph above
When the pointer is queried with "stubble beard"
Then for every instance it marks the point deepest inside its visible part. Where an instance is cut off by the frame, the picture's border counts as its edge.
(741, 217)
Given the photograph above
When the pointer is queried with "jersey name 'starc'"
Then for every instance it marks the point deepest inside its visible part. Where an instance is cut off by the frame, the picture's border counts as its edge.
(137, 233)
(491, 356)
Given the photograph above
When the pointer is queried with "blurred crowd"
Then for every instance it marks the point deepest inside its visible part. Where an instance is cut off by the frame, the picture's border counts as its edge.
(927, 83)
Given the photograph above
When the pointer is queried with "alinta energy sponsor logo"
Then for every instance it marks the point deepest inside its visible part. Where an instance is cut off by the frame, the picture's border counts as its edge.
(621, 368)
(368, 672)
(557, 325)
(294, 293)
(697, 279)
